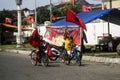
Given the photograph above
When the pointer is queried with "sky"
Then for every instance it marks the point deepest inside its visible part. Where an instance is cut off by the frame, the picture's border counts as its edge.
(30, 4)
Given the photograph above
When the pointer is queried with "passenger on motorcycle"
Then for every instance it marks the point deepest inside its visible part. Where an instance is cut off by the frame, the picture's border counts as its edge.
(41, 47)
(69, 45)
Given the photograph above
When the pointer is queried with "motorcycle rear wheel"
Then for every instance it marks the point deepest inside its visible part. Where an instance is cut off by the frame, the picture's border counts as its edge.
(78, 58)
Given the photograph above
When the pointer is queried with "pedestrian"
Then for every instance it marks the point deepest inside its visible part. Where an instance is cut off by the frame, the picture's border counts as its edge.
(110, 46)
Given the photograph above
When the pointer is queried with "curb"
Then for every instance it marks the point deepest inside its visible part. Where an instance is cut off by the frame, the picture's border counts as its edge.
(86, 58)
(17, 51)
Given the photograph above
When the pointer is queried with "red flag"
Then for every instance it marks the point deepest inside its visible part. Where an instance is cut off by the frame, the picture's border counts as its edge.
(72, 17)
(34, 39)
(30, 19)
(8, 20)
(86, 8)
(52, 17)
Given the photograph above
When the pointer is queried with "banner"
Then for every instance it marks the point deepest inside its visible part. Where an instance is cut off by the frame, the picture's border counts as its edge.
(56, 35)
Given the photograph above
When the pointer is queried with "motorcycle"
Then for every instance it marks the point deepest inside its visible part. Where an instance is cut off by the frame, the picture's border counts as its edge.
(54, 52)
(39, 56)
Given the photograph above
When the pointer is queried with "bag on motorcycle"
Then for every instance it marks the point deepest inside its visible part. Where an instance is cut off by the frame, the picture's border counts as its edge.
(49, 51)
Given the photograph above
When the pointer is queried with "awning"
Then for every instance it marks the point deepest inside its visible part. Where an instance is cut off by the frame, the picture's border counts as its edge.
(112, 17)
(12, 27)
(89, 17)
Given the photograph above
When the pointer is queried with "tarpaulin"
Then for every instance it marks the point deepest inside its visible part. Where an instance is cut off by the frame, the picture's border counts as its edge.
(85, 16)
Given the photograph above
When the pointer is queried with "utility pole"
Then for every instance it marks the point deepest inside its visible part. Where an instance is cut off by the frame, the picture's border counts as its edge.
(50, 11)
(74, 3)
(19, 34)
(110, 2)
(35, 15)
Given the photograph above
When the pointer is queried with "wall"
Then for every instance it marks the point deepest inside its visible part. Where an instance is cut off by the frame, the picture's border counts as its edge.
(98, 29)
(115, 3)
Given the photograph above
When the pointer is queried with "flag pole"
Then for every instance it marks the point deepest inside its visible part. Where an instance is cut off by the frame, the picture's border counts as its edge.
(65, 24)
(81, 39)
(35, 23)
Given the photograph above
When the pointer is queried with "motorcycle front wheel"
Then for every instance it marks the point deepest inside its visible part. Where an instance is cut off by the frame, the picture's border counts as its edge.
(34, 57)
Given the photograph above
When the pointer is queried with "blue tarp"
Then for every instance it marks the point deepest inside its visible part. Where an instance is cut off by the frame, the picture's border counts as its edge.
(85, 16)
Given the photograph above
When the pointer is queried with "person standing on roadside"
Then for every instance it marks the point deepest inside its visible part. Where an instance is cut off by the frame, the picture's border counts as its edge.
(110, 46)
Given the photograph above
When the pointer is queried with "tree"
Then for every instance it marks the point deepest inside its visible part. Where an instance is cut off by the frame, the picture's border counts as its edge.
(56, 12)
(43, 15)
(70, 5)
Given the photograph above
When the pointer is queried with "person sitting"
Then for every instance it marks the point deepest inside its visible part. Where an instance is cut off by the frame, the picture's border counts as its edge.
(69, 44)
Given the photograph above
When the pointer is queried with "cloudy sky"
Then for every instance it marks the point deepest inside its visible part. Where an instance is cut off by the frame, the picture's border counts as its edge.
(30, 4)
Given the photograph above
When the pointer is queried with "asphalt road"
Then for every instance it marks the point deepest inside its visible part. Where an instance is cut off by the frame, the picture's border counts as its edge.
(18, 67)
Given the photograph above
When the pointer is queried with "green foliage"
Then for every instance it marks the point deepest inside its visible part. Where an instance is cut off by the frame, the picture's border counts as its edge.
(56, 12)
(63, 10)
(108, 55)
(70, 6)
(43, 15)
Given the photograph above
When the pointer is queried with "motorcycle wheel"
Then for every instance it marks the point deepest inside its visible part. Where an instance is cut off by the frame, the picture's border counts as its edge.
(118, 49)
(34, 57)
(44, 60)
(78, 58)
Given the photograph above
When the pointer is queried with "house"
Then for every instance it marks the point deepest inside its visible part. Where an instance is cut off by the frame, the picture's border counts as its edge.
(112, 4)
(7, 33)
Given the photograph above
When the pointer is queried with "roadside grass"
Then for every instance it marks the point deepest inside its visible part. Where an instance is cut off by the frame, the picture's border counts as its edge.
(108, 55)
(104, 54)
(13, 46)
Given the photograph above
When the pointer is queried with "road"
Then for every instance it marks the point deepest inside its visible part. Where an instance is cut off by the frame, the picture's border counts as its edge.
(15, 66)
